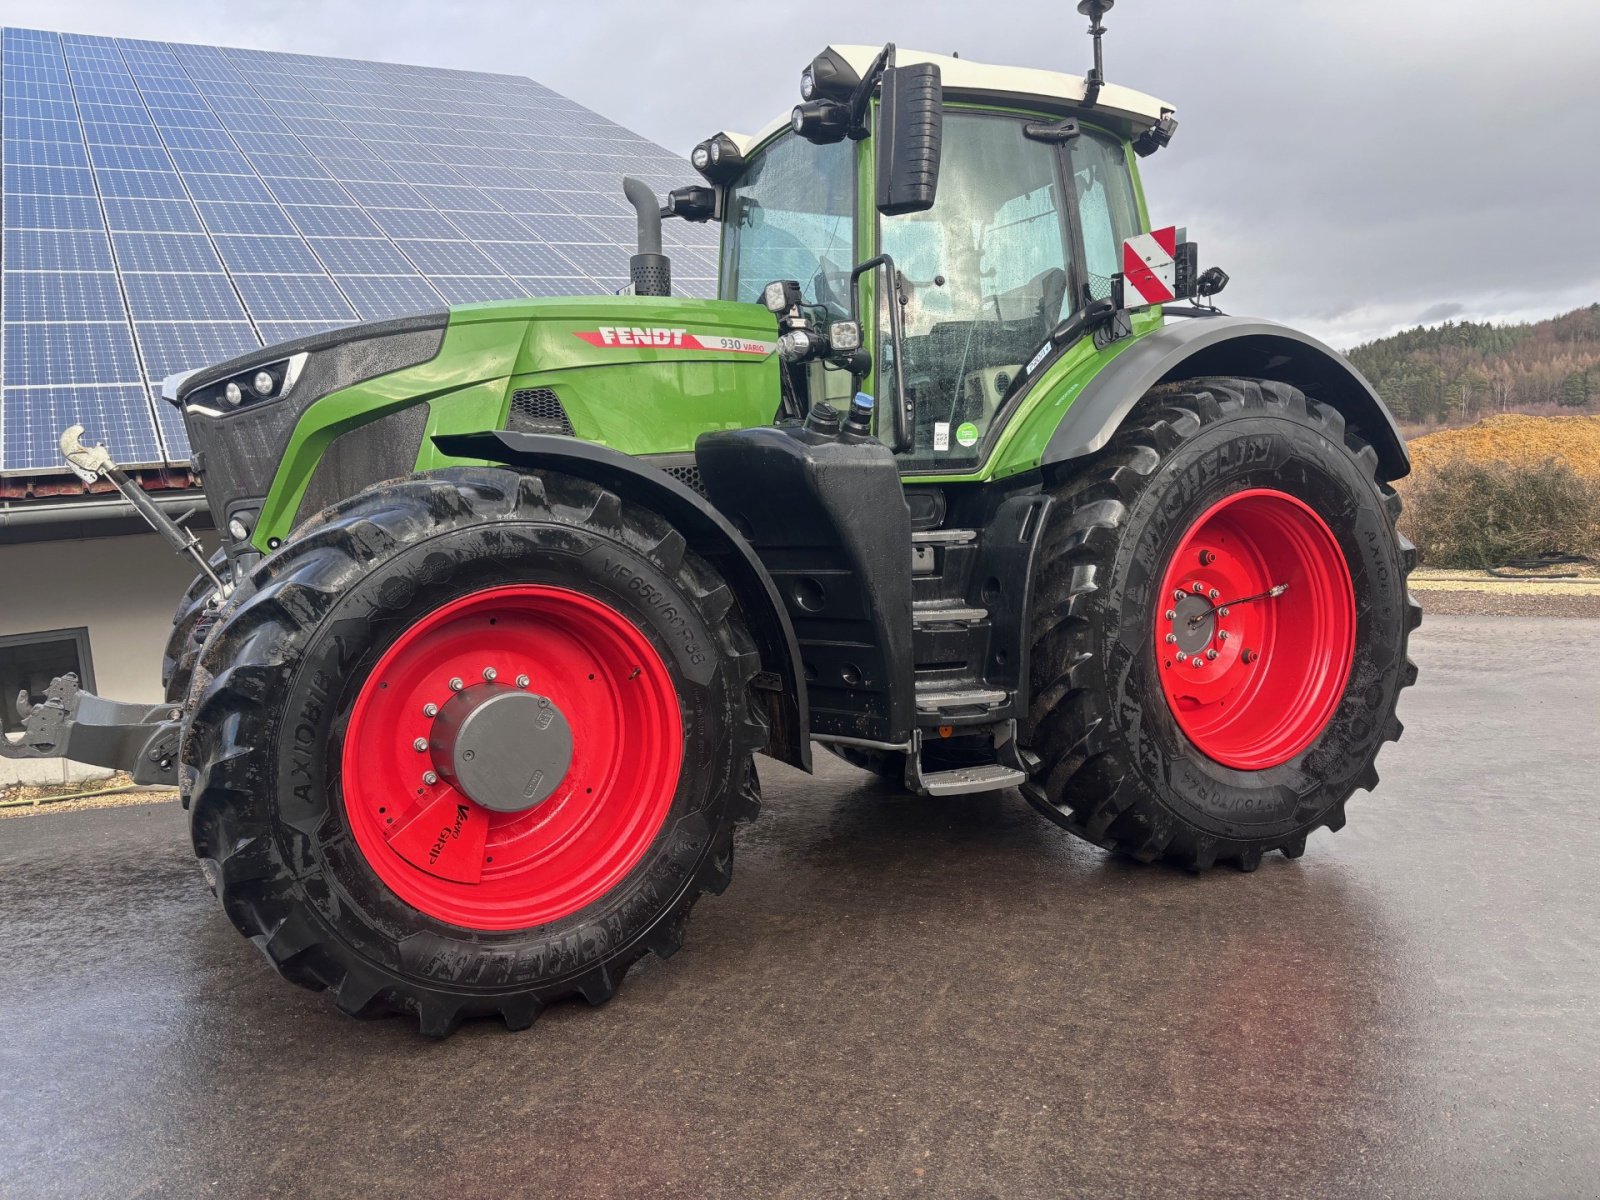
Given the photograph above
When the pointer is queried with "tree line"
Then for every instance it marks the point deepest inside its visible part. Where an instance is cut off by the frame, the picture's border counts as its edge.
(1462, 370)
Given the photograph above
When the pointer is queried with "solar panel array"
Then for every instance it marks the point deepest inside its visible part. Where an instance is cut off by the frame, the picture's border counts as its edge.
(167, 206)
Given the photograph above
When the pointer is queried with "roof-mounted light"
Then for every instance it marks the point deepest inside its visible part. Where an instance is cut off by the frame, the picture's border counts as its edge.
(828, 77)
(718, 158)
(821, 121)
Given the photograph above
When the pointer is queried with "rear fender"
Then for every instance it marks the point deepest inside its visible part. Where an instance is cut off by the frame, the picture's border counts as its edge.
(1188, 347)
(782, 684)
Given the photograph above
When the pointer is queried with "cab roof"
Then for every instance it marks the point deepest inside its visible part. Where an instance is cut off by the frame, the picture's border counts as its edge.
(1122, 109)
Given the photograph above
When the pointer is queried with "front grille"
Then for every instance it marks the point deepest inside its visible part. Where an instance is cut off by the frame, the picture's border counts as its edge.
(538, 410)
(689, 477)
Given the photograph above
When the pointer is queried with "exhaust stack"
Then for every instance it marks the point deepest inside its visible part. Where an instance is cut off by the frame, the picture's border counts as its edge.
(649, 269)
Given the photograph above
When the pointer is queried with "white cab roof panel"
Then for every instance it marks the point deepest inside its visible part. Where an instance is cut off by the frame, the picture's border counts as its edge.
(964, 79)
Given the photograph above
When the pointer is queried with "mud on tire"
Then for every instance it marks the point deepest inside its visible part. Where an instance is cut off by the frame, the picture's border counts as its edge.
(1114, 766)
(274, 691)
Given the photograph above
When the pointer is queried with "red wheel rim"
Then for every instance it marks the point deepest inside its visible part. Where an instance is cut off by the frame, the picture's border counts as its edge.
(1253, 684)
(457, 860)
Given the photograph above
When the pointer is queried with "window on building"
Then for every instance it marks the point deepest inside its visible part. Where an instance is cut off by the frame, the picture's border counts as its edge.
(29, 661)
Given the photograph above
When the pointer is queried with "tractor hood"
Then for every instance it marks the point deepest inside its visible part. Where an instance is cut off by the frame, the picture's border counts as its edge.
(283, 431)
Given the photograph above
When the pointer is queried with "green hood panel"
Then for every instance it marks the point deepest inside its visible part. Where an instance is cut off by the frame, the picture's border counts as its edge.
(644, 375)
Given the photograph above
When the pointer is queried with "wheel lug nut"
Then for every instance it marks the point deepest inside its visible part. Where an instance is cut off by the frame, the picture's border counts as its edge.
(1207, 558)
(1211, 655)
(1196, 660)
(1182, 657)
(420, 745)
(1171, 637)
(1214, 593)
(1222, 635)
(1172, 614)
(522, 681)
(456, 685)
(1222, 612)
(1249, 656)
(430, 778)
(489, 674)
(430, 710)
(1199, 589)
(1179, 594)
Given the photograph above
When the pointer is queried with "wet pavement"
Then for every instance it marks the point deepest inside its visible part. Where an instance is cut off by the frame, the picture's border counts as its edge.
(897, 997)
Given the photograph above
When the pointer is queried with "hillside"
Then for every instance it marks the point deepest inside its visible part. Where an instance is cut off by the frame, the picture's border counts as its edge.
(1460, 371)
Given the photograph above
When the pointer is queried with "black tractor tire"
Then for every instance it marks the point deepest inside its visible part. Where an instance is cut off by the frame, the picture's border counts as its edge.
(183, 644)
(273, 694)
(1114, 766)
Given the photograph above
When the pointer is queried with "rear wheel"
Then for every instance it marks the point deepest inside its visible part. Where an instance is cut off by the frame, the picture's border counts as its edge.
(476, 742)
(1219, 637)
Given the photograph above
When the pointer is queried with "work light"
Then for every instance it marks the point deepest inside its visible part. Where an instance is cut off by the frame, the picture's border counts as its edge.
(821, 121)
(845, 336)
(781, 295)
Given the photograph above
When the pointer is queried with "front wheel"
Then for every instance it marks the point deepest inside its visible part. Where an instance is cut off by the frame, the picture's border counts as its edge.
(1219, 637)
(473, 742)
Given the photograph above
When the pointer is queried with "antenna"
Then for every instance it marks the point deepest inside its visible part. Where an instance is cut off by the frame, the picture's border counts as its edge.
(1095, 10)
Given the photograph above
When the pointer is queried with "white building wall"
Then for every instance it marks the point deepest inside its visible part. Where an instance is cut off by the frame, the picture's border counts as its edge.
(124, 590)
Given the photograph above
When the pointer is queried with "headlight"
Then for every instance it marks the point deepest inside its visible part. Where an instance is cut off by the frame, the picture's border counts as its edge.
(798, 345)
(700, 157)
(808, 85)
(252, 385)
(716, 151)
(845, 336)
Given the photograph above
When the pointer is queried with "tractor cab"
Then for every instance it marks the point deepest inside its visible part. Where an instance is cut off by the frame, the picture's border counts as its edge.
(991, 203)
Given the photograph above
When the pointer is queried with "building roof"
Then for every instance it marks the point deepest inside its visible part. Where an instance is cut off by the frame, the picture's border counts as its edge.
(167, 206)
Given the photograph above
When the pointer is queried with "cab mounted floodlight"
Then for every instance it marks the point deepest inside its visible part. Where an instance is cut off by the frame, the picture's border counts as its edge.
(718, 158)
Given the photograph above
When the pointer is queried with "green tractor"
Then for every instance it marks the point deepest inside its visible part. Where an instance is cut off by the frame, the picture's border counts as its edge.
(947, 482)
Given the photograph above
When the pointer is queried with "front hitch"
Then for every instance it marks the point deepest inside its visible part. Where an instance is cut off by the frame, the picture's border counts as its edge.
(140, 739)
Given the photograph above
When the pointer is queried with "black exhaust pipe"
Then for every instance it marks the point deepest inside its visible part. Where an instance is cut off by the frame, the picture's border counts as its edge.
(650, 270)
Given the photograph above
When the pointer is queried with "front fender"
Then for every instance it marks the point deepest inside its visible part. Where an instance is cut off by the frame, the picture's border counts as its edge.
(708, 533)
(1187, 347)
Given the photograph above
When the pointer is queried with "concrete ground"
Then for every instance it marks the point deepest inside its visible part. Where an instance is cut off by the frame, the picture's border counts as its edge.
(897, 997)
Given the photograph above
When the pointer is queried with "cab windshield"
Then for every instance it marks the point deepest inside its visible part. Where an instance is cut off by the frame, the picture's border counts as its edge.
(792, 216)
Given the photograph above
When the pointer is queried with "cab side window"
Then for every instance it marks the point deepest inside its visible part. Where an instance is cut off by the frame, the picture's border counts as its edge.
(1108, 211)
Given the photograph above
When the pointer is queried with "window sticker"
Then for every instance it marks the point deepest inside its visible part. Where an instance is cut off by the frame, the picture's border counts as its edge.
(941, 436)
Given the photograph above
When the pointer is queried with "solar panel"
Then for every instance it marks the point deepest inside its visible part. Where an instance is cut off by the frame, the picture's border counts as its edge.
(167, 206)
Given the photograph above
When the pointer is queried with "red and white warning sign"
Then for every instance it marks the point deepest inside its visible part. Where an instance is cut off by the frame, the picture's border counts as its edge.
(1149, 265)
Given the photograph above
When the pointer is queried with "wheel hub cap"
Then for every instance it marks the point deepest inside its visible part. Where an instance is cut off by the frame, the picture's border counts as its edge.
(508, 750)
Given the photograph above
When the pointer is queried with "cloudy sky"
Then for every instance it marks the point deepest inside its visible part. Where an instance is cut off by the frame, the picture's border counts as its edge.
(1358, 166)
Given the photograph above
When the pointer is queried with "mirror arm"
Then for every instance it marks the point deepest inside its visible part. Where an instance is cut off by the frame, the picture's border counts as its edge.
(903, 423)
(863, 93)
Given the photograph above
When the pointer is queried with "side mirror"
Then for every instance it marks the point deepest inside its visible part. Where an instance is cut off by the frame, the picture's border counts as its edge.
(909, 135)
